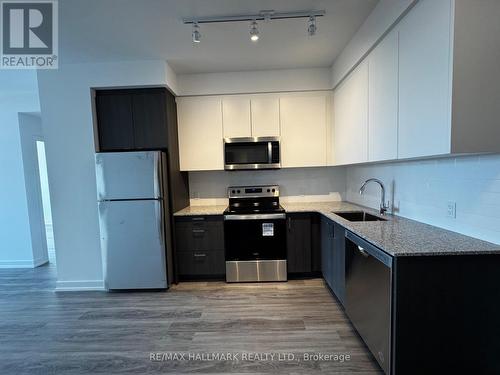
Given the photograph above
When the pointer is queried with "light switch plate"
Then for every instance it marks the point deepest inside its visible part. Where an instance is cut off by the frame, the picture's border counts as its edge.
(451, 210)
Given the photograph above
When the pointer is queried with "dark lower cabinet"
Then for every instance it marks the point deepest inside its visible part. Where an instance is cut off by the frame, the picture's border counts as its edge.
(446, 314)
(201, 264)
(327, 240)
(303, 252)
(199, 242)
(333, 256)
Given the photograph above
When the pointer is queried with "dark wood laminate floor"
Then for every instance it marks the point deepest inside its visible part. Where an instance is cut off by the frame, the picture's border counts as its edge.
(43, 332)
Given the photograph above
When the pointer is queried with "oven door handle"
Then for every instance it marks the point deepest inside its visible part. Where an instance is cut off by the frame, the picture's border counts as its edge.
(255, 217)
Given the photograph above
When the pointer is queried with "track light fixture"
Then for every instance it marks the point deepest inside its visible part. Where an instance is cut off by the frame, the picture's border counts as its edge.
(254, 31)
(196, 33)
(312, 28)
(263, 15)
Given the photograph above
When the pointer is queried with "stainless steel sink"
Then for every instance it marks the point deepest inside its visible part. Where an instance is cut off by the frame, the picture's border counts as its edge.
(359, 216)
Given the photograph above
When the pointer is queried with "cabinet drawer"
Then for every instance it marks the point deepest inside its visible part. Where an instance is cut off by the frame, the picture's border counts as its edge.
(201, 263)
(199, 234)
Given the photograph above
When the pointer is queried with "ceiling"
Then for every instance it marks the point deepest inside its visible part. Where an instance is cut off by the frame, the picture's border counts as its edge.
(117, 30)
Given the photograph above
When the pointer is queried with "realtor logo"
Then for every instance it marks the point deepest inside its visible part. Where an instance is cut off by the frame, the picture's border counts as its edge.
(29, 34)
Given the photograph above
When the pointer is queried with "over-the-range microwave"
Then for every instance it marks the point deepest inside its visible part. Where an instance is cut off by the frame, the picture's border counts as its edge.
(252, 153)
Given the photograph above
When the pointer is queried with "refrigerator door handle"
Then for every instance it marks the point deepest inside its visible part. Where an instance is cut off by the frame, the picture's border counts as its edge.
(160, 220)
(157, 175)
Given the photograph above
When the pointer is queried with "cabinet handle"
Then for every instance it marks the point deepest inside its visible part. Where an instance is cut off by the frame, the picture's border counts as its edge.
(198, 219)
(289, 224)
(197, 255)
(198, 231)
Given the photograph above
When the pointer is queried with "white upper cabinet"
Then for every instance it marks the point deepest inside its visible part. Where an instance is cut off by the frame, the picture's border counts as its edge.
(265, 110)
(383, 100)
(425, 80)
(251, 116)
(304, 129)
(236, 116)
(350, 134)
(200, 133)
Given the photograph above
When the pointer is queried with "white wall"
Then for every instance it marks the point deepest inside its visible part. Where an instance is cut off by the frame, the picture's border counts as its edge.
(296, 184)
(254, 81)
(66, 105)
(18, 93)
(422, 190)
(385, 14)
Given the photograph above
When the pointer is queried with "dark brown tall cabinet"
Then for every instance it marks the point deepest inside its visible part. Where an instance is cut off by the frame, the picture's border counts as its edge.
(142, 119)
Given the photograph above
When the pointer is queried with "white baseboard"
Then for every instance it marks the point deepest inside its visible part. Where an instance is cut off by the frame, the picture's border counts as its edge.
(80, 285)
(22, 263)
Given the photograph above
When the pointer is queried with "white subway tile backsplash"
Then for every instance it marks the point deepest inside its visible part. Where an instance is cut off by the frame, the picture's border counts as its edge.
(296, 184)
(421, 190)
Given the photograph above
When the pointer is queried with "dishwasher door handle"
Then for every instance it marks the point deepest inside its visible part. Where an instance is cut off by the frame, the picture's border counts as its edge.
(369, 250)
(363, 252)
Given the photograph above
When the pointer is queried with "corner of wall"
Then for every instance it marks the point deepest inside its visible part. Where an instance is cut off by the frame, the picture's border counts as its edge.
(171, 79)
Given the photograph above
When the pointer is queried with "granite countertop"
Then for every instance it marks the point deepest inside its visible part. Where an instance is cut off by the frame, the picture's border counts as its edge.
(397, 236)
(201, 210)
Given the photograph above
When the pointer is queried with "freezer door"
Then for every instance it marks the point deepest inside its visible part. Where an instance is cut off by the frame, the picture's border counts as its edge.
(129, 175)
(132, 239)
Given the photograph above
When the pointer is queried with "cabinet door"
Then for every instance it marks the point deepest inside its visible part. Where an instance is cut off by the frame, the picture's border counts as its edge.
(265, 110)
(327, 251)
(200, 133)
(114, 121)
(303, 130)
(424, 80)
(199, 234)
(339, 261)
(383, 100)
(150, 119)
(236, 116)
(201, 264)
(299, 243)
(351, 118)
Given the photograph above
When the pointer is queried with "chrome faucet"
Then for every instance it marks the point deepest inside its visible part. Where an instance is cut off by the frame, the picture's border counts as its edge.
(383, 206)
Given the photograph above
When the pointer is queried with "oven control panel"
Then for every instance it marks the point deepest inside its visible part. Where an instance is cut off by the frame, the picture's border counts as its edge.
(253, 191)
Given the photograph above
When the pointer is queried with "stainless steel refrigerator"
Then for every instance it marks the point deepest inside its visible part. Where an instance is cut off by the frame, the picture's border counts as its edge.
(134, 219)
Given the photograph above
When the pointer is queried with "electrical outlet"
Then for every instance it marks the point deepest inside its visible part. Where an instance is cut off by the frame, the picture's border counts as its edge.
(451, 210)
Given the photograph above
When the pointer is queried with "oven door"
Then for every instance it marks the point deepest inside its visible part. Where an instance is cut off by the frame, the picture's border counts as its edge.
(255, 247)
(251, 153)
(255, 237)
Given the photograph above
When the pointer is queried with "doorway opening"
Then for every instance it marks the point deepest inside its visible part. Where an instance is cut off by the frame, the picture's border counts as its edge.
(44, 189)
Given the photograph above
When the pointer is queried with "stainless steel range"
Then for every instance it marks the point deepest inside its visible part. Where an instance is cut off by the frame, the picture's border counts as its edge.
(255, 235)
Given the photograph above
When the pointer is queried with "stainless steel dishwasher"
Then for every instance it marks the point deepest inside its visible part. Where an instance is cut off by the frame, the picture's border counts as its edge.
(368, 296)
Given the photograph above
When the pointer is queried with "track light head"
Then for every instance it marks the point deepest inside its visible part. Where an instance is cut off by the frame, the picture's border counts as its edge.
(196, 33)
(312, 28)
(254, 31)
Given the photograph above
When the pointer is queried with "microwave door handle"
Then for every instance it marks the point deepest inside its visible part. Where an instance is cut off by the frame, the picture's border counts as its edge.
(270, 152)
